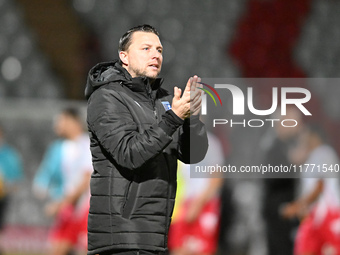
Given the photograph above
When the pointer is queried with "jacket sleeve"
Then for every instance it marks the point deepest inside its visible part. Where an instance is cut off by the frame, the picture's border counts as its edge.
(110, 120)
(193, 141)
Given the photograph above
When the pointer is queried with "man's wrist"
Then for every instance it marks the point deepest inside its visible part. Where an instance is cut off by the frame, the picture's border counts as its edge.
(177, 114)
(194, 119)
(170, 122)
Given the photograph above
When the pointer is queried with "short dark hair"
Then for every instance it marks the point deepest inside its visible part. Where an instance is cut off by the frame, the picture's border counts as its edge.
(125, 40)
(72, 112)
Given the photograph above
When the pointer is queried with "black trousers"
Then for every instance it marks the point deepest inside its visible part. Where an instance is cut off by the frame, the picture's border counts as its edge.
(134, 252)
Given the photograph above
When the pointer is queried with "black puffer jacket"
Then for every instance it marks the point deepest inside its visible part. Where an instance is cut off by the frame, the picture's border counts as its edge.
(135, 144)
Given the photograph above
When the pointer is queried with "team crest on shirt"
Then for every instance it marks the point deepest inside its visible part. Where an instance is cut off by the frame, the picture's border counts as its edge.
(167, 105)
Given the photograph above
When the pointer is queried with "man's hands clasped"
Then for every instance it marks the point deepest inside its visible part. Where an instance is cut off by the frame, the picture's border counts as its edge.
(190, 102)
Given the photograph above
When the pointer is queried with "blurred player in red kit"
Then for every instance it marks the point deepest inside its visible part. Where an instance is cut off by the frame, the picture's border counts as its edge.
(319, 204)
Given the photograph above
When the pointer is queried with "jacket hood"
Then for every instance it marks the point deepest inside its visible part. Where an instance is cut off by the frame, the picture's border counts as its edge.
(106, 72)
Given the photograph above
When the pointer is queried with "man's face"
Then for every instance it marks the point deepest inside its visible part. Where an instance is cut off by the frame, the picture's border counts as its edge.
(65, 125)
(144, 55)
(60, 125)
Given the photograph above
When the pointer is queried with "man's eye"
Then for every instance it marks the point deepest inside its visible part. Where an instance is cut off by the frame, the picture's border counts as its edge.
(146, 48)
(160, 51)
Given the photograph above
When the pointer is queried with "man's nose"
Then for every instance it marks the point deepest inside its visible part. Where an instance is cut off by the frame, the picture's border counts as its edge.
(156, 54)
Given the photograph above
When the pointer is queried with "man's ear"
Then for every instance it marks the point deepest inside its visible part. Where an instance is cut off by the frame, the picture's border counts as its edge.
(123, 57)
